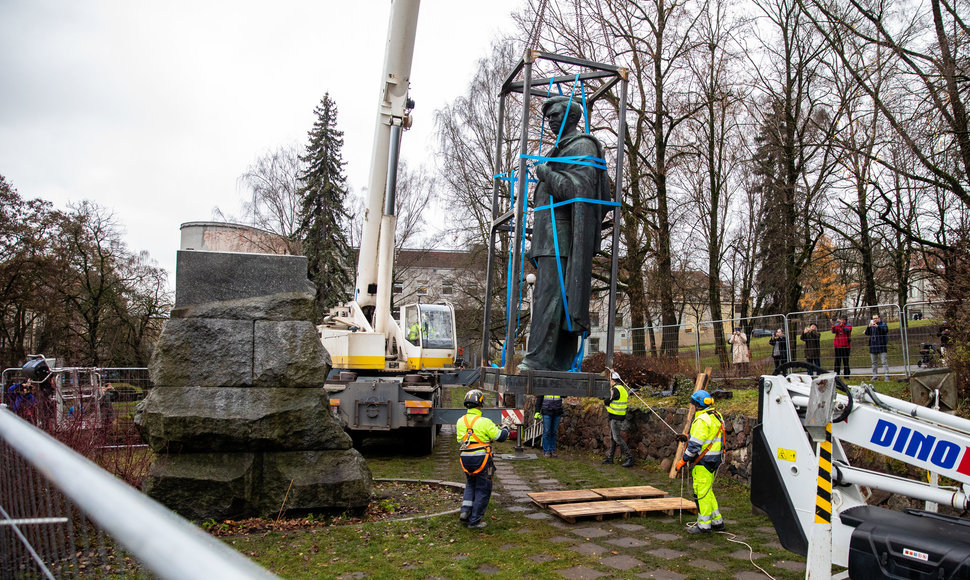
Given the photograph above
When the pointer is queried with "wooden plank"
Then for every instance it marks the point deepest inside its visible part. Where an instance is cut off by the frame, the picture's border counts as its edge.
(630, 492)
(661, 504)
(591, 509)
(544, 498)
(700, 383)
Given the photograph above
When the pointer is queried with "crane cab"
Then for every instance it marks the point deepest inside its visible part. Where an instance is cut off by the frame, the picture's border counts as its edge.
(428, 336)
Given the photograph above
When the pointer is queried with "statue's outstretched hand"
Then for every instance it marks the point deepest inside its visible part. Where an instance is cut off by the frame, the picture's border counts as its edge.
(543, 171)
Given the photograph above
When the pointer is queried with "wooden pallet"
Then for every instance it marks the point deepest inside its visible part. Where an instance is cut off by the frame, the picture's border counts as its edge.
(635, 491)
(668, 505)
(593, 509)
(544, 498)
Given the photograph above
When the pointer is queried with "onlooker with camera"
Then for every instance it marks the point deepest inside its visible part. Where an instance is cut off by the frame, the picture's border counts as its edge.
(779, 351)
(944, 335)
(813, 349)
(842, 344)
(878, 333)
(740, 353)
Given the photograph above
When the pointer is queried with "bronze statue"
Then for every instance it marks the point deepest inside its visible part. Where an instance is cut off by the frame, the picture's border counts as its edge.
(557, 325)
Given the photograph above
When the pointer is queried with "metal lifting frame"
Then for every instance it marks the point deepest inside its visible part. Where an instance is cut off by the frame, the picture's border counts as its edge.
(612, 76)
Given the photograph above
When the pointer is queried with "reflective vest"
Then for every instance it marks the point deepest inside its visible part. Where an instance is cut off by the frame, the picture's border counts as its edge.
(475, 433)
(618, 407)
(706, 437)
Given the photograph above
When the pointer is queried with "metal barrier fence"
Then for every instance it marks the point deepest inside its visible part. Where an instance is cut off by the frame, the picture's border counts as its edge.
(676, 340)
(914, 340)
(754, 336)
(62, 516)
(859, 358)
(925, 333)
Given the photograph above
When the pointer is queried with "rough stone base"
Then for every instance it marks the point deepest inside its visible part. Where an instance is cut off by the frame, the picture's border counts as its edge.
(235, 485)
(220, 419)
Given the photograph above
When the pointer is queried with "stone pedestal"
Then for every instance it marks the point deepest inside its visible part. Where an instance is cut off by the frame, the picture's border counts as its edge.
(238, 416)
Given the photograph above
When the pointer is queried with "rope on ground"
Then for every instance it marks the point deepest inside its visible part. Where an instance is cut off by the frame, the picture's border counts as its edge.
(730, 537)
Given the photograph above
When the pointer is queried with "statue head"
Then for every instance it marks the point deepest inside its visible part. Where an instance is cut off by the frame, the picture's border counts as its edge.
(555, 109)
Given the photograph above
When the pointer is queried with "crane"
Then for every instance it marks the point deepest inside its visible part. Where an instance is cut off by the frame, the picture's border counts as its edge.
(389, 367)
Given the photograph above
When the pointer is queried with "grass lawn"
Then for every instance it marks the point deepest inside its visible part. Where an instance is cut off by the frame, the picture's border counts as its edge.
(512, 545)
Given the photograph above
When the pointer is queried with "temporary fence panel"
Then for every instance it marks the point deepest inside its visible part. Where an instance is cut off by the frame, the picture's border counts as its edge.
(859, 358)
(62, 516)
(926, 332)
(754, 334)
(677, 341)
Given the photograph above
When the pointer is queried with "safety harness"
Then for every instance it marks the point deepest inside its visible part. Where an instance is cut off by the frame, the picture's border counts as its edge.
(711, 444)
(468, 445)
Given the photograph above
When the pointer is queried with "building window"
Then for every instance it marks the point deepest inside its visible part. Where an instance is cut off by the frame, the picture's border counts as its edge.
(594, 344)
(398, 288)
(594, 319)
(422, 289)
(619, 319)
(447, 287)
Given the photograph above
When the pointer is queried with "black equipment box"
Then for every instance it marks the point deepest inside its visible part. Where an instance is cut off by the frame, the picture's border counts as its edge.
(911, 545)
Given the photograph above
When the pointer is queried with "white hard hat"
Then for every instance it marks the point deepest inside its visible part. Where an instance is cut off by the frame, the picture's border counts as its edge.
(615, 376)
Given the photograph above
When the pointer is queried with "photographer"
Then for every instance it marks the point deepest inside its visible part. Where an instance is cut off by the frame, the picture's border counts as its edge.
(779, 351)
(812, 340)
(740, 353)
(842, 344)
(878, 333)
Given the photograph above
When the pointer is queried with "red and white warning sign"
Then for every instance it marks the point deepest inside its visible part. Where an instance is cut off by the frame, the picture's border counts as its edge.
(517, 415)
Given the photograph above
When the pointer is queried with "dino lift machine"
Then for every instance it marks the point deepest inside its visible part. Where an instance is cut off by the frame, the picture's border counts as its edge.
(802, 479)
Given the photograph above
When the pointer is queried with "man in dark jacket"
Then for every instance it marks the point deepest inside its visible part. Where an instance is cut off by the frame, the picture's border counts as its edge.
(812, 340)
(878, 333)
(779, 350)
(549, 407)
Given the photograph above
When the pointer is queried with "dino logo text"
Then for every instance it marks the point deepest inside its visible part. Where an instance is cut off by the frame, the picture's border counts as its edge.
(940, 452)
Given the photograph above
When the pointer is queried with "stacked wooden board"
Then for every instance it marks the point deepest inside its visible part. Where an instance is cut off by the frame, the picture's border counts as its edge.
(599, 502)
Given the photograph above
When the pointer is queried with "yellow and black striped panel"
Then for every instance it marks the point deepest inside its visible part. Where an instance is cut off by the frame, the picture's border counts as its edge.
(823, 495)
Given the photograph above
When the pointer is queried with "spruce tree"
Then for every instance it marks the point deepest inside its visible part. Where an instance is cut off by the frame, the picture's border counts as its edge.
(323, 214)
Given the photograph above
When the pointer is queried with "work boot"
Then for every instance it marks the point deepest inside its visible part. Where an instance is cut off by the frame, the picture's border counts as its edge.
(608, 460)
(464, 515)
(698, 530)
(628, 461)
(718, 527)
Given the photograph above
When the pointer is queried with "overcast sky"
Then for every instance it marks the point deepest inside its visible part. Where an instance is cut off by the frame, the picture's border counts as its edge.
(154, 109)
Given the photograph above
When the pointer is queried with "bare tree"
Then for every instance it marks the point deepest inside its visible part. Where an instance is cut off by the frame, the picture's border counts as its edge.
(273, 203)
(927, 108)
(716, 145)
(796, 156)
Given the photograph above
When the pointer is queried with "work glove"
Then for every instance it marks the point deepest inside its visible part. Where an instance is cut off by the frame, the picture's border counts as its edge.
(682, 438)
(543, 171)
(508, 423)
(680, 465)
(538, 415)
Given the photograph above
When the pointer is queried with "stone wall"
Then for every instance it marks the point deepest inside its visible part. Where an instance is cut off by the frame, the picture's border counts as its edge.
(585, 426)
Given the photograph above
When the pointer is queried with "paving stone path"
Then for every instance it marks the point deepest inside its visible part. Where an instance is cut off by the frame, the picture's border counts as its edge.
(620, 544)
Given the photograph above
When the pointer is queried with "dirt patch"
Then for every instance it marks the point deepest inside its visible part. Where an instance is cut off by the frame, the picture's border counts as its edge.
(392, 500)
